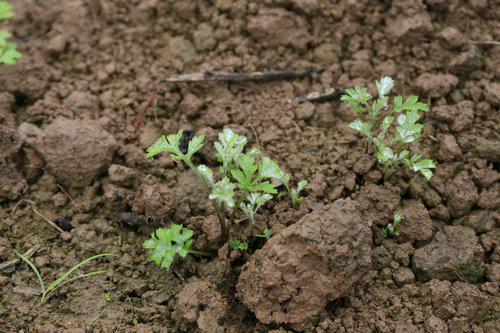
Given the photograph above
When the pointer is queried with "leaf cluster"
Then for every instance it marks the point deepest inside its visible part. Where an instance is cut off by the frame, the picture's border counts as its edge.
(390, 152)
(8, 52)
(243, 182)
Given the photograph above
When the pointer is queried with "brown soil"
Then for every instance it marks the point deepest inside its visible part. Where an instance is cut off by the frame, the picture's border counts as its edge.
(69, 151)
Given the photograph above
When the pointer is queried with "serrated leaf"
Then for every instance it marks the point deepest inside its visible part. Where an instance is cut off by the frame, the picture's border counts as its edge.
(410, 104)
(194, 145)
(384, 154)
(167, 242)
(265, 187)
(170, 144)
(360, 126)
(267, 233)
(423, 167)
(268, 169)
(223, 192)
(247, 164)
(384, 86)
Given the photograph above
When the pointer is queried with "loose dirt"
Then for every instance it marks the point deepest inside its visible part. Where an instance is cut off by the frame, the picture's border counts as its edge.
(69, 151)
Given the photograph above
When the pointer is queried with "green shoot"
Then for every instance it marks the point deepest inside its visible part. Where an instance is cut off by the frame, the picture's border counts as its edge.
(294, 193)
(46, 292)
(8, 52)
(265, 234)
(391, 227)
(237, 245)
(164, 251)
(239, 175)
(390, 152)
(256, 200)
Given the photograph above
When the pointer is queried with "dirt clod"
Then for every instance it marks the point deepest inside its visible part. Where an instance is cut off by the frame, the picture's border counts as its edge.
(314, 261)
(76, 152)
(453, 253)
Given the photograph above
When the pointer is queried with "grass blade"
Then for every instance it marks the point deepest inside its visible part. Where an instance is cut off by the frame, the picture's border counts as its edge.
(26, 260)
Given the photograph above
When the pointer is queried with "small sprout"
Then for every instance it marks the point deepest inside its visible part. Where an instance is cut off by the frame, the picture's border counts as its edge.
(223, 192)
(390, 153)
(265, 234)
(58, 283)
(107, 297)
(256, 200)
(8, 52)
(164, 250)
(237, 245)
(391, 227)
(294, 193)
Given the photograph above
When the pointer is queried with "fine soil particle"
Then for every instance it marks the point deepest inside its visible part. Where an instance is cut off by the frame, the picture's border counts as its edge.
(69, 151)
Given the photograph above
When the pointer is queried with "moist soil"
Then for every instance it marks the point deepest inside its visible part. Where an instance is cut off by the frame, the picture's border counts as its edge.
(72, 153)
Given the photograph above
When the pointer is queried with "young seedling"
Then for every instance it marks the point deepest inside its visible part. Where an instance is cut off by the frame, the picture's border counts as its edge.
(265, 234)
(46, 292)
(165, 251)
(294, 192)
(391, 227)
(238, 170)
(8, 52)
(390, 152)
(237, 245)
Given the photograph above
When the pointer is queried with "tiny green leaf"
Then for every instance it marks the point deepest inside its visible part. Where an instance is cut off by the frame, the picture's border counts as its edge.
(384, 86)
(167, 243)
(360, 126)
(5, 10)
(268, 169)
(237, 245)
(194, 145)
(166, 145)
(223, 192)
(207, 174)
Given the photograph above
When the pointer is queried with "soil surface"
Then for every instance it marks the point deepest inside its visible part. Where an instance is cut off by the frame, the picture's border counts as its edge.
(70, 154)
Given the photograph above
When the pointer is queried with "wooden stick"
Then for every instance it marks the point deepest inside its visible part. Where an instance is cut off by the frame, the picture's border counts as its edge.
(233, 76)
(48, 221)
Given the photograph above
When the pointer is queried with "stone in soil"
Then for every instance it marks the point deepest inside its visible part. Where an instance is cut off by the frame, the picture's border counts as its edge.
(316, 260)
(454, 253)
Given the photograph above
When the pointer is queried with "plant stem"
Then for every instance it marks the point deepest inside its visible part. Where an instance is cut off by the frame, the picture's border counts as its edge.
(233, 214)
(409, 184)
(218, 209)
(201, 253)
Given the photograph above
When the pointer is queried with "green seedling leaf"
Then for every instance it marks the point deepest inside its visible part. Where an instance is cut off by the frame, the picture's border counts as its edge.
(384, 86)
(294, 193)
(384, 154)
(265, 187)
(268, 169)
(391, 227)
(409, 131)
(411, 104)
(194, 145)
(5, 10)
(360, 126)
(167, 243)
(223, 192)
(207, 174)
(167, 145)
(423, 167)
(267, 233)
(237, 245)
